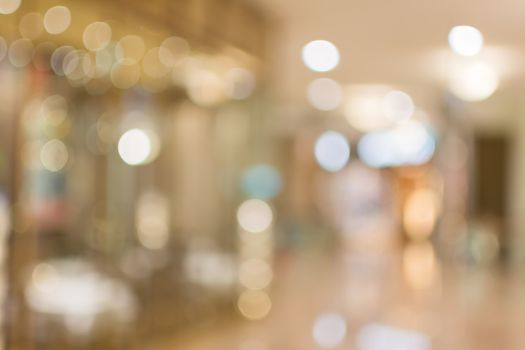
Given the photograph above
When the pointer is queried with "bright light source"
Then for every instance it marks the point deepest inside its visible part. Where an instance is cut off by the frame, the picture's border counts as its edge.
(137, 147)
(409, 143)
(475, 82)
(325, 94)
(398, 106)
(9, 6)
(382, 337)
(419, 265)
(54, 155)
(97, 36)
(254, 304)
(332, 151)
(329, 330)
(363, 107)
(57, 19)
(465, 40)
(420, 213)
(320, 56)
(254, 216)
(130, 48)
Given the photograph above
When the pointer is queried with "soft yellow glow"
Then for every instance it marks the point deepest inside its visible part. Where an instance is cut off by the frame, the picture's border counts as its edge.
(329, 330)
(153, 66)
(363, 107)
(31, 25)
(255, 274)
(54, 155)
(206, 88)
(97, 36)
(254, 305)
(465, 40)
(9, 6)
(241, 83)
(152, 220)
(419, 265)
(420, 213)
(43, 277)
(130, 48)
(474, 82)
(320, 55)
(325, 94)
(21, 52)
(125, 75)
(398, 106)
(172, 50)
(255, 216)
(137, 146)
(57, 19)
(332, 151)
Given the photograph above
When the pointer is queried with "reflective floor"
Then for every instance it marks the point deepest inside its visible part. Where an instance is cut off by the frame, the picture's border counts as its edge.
(348, 301)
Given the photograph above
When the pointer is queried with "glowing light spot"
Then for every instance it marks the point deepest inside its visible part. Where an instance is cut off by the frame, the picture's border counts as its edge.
(31, 25)
(21, 52)
(152, 220)
(419, 265)
(103, 63)
(74, 65)
(9, 6)
(420, 213)
(125, 75)
(75, 292)
(409, 143)
(332, 151)
(255, 274)
(57, 19)
(54, 155)
(241, 83)
(130, 48)
(254, 305)
(465, 40)
(97, 36)
(329, 330)
(44, 276)
(172, 50)
(254, 216)
(475, 82)
(363, 107)
(325, 94)
(398, 106)
(382, 337)
(206, 88)
(320, 56)
(137, 147)
(262, 181)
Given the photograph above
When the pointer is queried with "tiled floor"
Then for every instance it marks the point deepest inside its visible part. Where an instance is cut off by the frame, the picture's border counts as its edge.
(452, 308)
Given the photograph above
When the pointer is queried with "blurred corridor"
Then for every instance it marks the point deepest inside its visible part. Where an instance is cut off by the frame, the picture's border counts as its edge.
(262, 175)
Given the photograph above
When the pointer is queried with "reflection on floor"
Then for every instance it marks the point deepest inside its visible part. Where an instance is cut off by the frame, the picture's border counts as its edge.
(376, 303)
